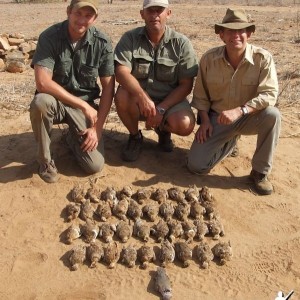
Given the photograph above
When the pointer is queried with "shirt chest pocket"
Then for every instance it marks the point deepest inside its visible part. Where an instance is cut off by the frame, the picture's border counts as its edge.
(141, 67)
(165, 70)
(88, 76)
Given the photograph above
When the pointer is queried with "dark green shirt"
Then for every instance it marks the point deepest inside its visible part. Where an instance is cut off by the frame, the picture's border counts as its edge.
(157, 70)
(75, 70)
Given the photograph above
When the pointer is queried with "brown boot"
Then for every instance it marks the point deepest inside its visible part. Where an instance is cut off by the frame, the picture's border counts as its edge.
(164, 140)
(262, 185)
(133, 147)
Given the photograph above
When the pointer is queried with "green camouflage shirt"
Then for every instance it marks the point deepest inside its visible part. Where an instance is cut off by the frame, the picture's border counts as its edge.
(75, 70)
(157, 70)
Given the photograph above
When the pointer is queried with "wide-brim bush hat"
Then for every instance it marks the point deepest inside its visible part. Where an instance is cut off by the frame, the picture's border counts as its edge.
(235, 19)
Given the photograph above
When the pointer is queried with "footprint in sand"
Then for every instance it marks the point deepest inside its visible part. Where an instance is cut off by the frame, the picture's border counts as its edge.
(265, 267)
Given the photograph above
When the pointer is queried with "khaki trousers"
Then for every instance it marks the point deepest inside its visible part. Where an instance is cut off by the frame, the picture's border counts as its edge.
(265, 124)
(45, 111)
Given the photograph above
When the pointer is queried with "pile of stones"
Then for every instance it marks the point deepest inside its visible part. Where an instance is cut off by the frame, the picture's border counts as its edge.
(16, 52)
(173, 221)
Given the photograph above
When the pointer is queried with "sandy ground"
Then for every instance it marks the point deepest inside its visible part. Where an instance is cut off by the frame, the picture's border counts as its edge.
(263, 231)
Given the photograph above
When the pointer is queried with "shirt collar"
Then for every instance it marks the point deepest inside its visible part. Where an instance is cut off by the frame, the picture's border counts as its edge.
(89, 36)
(248, 54)
(168, 34)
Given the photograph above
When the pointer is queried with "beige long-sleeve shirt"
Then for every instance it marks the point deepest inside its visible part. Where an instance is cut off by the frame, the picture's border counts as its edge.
(219, 87)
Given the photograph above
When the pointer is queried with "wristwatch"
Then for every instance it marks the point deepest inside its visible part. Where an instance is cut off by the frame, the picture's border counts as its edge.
(245, 110)
(160, 110)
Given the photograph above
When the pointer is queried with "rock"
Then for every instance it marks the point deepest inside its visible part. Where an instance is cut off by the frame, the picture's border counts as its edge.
(2, 65)
(15, 41)
(4, 44)
(15, 67)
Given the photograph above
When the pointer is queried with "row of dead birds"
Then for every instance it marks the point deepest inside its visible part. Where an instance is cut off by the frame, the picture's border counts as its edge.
(172, 230)
(111, 254)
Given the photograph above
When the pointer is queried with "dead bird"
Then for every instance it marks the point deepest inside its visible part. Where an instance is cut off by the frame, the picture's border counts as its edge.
(176, 194)
(72, 211)
(210, 209)
(201, 228)
(77, 256)
(208, 202)
(175, 230)
(94, 254)
(190, 230)
(146, 254)
(182, 211)
(192, 193)
(134, 211)
(167, 253)
(163, 283)
(183, 253)
(73, 233)
(142, 194)
(216, 228)
(93, 194)
(123, 231)
(196, 210)
(141, 230)
(160, 195)
(205, 195)
(223, 252)
(77, 193)
(107, 232)
(166, 210)
(103, 211)
(111, 254)
(204, 254)
(90, 231)
(109, 194)
(129, 256)
(160, 230)
(125, 192)
(87, 210)
(150, 212)
(120, 209)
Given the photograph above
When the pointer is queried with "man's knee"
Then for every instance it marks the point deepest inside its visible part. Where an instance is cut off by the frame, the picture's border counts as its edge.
(194, 165)
(41, 103)
(93, 166)
(272, 115)
(181, 123)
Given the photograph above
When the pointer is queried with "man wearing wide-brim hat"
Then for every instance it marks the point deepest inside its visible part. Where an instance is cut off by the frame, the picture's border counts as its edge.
(235, 93)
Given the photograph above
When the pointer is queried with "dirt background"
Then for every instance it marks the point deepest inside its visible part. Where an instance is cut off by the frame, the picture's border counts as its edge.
(264, 231)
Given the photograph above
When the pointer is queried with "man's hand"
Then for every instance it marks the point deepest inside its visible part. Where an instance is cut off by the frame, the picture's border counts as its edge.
(204, 132)
(90, 139)
(146, 106)
(90, 113)
(154, 122)
(227, 117)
